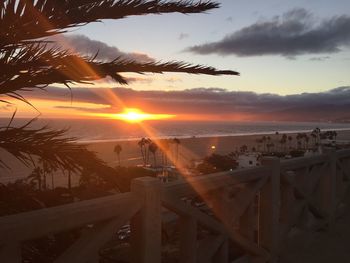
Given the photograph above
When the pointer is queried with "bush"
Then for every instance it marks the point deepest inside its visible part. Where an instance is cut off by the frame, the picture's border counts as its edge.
(217, 163)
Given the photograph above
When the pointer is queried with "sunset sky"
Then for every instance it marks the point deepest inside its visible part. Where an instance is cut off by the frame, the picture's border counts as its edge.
(283, 50)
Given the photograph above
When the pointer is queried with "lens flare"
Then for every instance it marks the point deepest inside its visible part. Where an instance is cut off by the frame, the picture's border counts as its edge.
(134, 115)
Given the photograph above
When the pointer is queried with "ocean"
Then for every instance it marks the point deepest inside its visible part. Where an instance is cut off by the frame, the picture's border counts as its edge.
(95, 130)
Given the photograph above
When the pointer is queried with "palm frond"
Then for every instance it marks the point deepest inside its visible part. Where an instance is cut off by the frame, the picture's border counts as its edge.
(52, 146)
(22, 20)
(36, 67)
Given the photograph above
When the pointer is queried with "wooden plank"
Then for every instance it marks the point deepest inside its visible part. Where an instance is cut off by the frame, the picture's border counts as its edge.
(328, 185)
(344, 153)
(269, 209)
(242, 201)
(146, 225)
(182, 209)
(247, 223)
(309, 199)
(208, 247)
(287, 198)
(11, 253)
(211, 182)
(38, 223)
(86, 249)
(301, 162)
(243, 259)
(222, 255)
(188, 239)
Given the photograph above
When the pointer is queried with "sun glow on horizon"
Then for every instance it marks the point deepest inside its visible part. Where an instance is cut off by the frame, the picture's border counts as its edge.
(134, 115)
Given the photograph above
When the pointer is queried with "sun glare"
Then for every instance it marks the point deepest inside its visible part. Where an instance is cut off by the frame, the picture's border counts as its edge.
(134, 115)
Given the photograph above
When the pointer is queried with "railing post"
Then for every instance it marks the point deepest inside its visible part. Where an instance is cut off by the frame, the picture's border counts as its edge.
(146, 224)
(329, 185)
(188, 240)
(269, 209)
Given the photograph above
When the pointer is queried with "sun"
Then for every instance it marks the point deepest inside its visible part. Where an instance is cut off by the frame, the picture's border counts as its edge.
(134, 115)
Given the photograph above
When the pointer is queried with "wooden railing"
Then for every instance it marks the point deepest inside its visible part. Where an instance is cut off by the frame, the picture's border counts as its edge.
(245, 216)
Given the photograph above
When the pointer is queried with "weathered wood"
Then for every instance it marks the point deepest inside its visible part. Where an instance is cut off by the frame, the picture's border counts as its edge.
(11, 252)
(208, 248)
(343, 153)
(243, 259)
(146, 224)
(270, 208)
(328, 186)
(343, 179)
(244, 199)
(287, 198)
(222, 255)
(330, 169)
(180, 208)
(301, 162)
(188, 239)
(204, 184)
(248, 224)
(38, 223)
(86, 248)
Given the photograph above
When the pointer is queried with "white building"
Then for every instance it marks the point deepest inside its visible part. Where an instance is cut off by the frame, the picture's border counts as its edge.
(248, 160)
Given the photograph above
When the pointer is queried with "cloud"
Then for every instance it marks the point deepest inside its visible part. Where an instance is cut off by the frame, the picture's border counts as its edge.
(229, 19)
(173, 79)
(86, 46)
(183, 36)
(139, 80)
(294, 33)
(331, 105)
(84, 109)
(323, 58)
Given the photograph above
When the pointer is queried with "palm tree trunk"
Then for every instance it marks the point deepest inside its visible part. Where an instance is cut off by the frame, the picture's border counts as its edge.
(52, 181)
(143, 155)
(155, 159)
(69, 181)
(44, 181)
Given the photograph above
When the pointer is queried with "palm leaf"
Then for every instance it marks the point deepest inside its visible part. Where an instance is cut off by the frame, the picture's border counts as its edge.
(36, 67)
(52, 146)
(22, 20)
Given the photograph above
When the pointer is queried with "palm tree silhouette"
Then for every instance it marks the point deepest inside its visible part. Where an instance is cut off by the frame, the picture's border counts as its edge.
(117, 150)
(153, 147)
(290, 139)
(307, 139)
(177, 142)
(31, 64)
(147, 142)
(36, 175)
(141, 143)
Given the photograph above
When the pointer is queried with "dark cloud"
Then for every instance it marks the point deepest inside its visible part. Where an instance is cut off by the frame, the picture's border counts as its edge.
(330, 105)
(183, 36)
(86, 46)
(294, 33)
(83, 109)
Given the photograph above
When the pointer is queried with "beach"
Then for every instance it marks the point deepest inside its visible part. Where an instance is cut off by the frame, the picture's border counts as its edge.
(193, 148)
(189, 150)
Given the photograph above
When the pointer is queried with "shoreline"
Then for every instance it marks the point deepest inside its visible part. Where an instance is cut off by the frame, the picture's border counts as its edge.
(207, 136)
(190, 149)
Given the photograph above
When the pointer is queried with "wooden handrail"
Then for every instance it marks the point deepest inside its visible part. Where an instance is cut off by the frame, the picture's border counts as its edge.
(214, 181)
(261, 193)
(38, 223)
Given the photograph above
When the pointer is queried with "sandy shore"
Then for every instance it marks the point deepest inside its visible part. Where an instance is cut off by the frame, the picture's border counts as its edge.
(188, 149)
